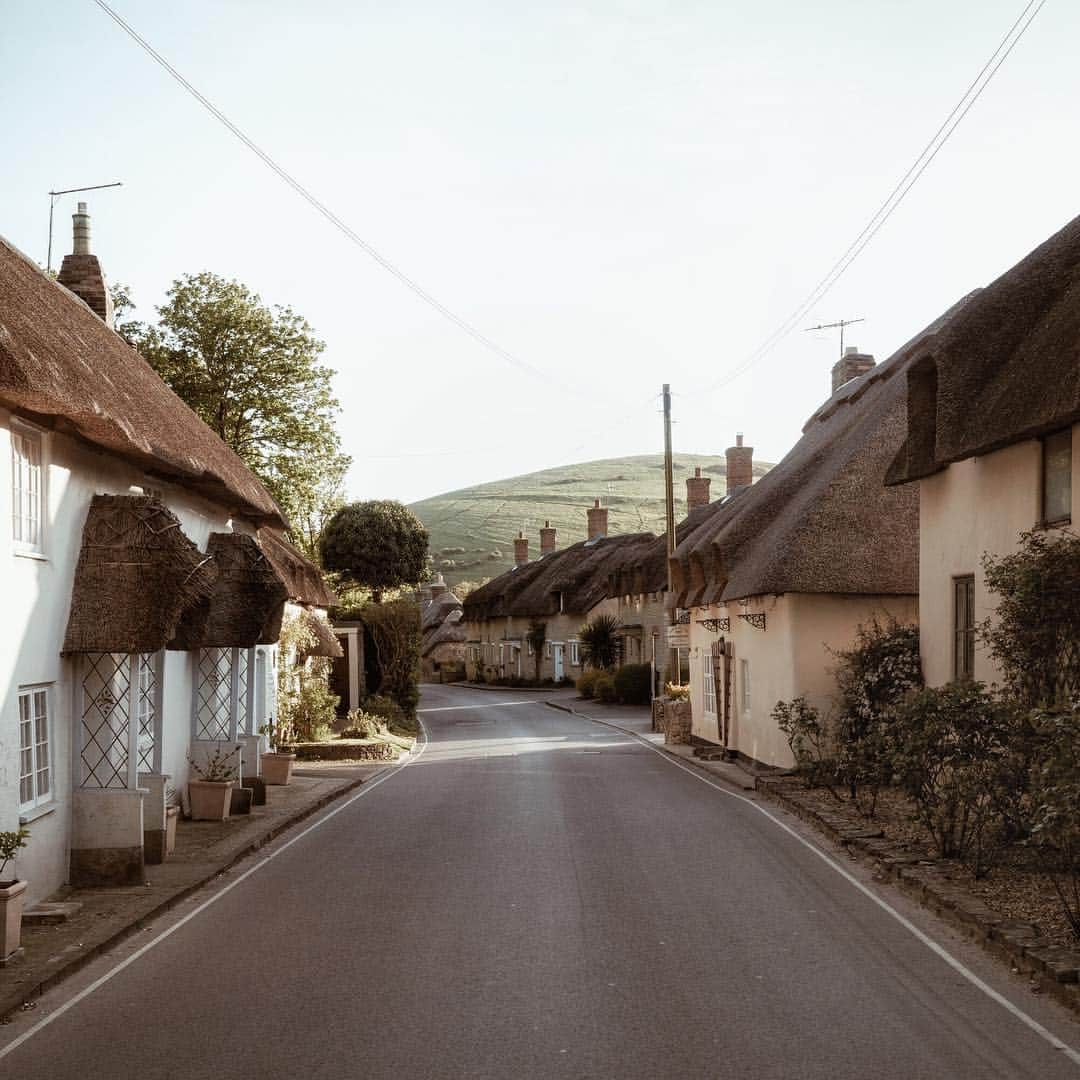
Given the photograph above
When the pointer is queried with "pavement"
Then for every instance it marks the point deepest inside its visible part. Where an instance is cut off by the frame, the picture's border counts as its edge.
(204, 850)
(537, 895)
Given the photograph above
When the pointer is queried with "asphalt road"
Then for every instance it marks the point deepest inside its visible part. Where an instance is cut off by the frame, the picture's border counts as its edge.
(538, 896)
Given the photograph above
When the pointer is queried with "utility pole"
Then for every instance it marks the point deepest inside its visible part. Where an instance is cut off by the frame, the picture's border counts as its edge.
(669, 482)
(832, 326)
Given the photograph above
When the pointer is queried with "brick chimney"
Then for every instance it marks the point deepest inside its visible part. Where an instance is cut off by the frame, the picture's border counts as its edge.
(81, 272)
(521, 549)
(597, 520)
(437, 587)
(850, 366)
(740, 465)
(697, 490)
(547, 539)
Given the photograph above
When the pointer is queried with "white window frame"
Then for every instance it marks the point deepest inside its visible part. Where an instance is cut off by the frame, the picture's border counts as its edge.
(575, 652)
(23, 433)
(237, 724)
(708, 683)
(744, 685)
(38, 798)
(547, 649)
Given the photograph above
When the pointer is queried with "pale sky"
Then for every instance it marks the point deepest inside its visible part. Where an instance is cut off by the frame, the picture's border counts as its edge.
(620, 194)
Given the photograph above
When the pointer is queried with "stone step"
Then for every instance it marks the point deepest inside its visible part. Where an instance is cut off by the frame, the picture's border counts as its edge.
(50, 913)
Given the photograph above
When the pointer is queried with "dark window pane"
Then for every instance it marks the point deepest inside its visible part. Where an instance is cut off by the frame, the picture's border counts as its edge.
(1057, 476)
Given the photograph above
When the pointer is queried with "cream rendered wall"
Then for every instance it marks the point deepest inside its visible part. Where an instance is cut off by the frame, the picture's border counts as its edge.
(791, 657)
(37, 597)
(974, 506)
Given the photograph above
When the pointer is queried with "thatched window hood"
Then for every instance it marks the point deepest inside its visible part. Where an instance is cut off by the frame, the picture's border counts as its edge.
(247, 602)
(326, 642)
(137, 576)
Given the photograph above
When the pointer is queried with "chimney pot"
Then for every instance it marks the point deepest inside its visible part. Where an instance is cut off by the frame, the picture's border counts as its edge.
(697, 490)
(740, 465)
(598, 520)
(81, 271)
(547, 539)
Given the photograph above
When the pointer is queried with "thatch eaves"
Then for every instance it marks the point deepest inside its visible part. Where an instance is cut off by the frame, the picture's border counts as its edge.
(580, 573)
(1007, 369)
(450, 632)
(325, 641)
(246, 605)
(137, 576)
(63, 367)
(301, 576)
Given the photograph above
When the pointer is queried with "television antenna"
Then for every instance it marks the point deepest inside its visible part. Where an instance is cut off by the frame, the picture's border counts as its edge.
(54, 195)
(832, 326)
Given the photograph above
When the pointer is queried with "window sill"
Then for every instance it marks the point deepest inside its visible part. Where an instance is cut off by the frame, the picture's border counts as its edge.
(37, 555)
(1060, 523)
(27, 816)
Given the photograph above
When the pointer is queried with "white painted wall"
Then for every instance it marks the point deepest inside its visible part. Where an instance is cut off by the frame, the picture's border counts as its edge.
(974, 506)
(37, 595)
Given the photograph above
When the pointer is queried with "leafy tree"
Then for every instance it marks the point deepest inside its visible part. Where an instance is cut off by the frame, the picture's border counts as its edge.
(378, 545)
(537, 638)
(600, 642)
(252, 373)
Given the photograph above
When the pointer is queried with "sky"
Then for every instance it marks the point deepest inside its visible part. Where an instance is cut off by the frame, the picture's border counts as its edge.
(618, 194)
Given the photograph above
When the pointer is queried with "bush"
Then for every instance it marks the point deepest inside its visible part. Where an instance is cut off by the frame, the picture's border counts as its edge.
(633, 684)
(677, 692)
(600, 642)
(381, 705)
(951, 749)
(801, 724)
(363, 725)
(873, 677)
(604, 688)
(586, 684)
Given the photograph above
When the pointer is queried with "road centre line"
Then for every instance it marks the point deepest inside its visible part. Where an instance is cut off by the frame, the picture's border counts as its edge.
(489, 705)
(939, 950)
(45, 1021)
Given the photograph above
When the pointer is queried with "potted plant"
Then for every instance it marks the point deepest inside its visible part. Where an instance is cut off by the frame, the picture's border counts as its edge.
(11, 894)
(275, 766)
(211, 793)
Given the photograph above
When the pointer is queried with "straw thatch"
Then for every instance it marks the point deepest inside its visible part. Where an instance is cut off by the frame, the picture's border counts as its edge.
(449, 632)
(301, 576)
(247, 602)
(1005, 370)
(136, 576)
(326, 642)
(580, 573)
(62, 366)
(821, 521)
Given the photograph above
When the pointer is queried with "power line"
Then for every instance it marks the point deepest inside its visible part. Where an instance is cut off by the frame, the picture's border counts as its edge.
(325, 211)
(896, 196)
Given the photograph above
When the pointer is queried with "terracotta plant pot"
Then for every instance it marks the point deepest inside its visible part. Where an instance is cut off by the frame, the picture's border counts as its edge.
(276, 768)
(11, 907)
(171, 814)
(209, 799)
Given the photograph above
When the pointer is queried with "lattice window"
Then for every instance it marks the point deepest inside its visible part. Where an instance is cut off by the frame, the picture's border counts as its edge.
(106, 736)
(213, 709)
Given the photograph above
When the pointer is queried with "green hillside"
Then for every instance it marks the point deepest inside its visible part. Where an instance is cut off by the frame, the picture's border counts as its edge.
(472, 530)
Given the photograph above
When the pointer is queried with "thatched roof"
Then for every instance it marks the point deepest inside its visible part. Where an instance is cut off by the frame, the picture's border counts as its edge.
(136, 577)
(450, 632)
(1005, 370)
(63, 367)
(821, 521)
(580, 572)
(247, 602)
(435, 611)
(326, 642)
(301, 576)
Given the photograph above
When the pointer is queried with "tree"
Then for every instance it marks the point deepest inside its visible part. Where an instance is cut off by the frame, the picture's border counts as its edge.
(252, 373)
(377, 545)
(600, 642)
(537, 638)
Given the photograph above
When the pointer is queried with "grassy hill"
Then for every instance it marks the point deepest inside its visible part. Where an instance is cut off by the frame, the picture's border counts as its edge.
(472, 530)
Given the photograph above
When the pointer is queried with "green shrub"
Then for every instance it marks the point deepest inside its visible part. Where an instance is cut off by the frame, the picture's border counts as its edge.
(604, 688)
(633, 684)
(586, 683)
(677, 692)
(363, 725)
(951, 750)
(806, 735)
(384, 706)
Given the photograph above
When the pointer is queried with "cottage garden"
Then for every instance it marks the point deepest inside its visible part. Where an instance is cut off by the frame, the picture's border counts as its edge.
(983, 779)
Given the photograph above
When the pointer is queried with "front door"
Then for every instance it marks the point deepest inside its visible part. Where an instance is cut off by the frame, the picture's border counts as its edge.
(557, 652)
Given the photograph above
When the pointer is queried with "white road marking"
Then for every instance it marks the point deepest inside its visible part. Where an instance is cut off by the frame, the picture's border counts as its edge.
(98, 983)
(907, 924)
(490, 705)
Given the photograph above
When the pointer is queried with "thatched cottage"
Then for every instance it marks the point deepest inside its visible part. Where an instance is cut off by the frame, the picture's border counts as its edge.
(993, 408)
(563, 589)
(774, 579)
(442, 643)
(146, 573)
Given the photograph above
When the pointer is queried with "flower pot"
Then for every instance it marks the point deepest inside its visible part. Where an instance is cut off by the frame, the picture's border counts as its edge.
(171, 814)
(210, 799)
(11, 906)
(276, 768)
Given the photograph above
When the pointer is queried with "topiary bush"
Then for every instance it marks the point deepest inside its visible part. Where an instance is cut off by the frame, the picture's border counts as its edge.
(633, 684)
